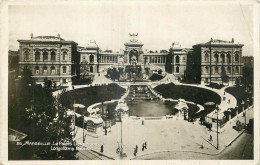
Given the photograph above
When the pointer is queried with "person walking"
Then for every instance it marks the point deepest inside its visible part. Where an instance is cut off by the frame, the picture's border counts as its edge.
(102, 149)
(136, 148)
(210, 138)
(145, 145)
(142, 122)
(135, 152)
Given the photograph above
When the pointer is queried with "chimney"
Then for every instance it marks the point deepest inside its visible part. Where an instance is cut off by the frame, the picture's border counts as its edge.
(31, 35)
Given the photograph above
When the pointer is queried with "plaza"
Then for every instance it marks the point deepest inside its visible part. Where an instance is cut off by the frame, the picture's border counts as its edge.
(163, 131)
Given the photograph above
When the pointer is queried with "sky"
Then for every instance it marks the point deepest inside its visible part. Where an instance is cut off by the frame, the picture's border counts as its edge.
(158, 24)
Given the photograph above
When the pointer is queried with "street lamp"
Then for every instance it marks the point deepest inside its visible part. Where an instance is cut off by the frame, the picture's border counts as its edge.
(242, 104)
(217, 110)
(247, 109)
(119, 113)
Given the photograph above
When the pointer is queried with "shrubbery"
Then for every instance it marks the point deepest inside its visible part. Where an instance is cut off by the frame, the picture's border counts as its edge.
(193, 94)
(156, 77)
(91, 95)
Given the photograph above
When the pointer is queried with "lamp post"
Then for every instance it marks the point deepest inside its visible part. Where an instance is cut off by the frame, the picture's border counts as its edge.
(236, 110)
(242, 104)
(217, 109)
(247, 109)
(120, 120)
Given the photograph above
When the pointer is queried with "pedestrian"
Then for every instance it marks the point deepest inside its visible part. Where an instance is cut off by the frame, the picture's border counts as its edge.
(210, 138)
(136, 149)
(117, 150)
(135, 152)
(102, 149)
(105, 131)
(142, 122)
(145, 145)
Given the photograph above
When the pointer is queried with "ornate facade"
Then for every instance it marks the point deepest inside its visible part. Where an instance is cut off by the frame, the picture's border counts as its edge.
(179, 60)
(49, 57)
(216, 61)
(60, 61)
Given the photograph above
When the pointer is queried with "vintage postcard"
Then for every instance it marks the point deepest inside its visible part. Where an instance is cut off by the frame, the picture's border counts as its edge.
(124, 81)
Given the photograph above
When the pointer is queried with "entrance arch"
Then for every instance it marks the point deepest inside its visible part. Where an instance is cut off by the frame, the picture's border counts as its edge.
(133, 56)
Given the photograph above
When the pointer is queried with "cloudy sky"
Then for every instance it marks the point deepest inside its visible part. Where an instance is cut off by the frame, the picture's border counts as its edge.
(158, 24)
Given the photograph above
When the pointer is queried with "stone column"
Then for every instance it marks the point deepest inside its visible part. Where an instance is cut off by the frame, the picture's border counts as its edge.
(41, 57)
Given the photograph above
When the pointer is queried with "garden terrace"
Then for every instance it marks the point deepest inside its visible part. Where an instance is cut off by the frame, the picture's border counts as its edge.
(240, 94)
(189, 93)
(91, 95)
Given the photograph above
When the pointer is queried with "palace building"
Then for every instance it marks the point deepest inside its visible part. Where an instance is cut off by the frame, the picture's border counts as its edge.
(62, 61)
(93, 60)
(215, 61)
(49, 57)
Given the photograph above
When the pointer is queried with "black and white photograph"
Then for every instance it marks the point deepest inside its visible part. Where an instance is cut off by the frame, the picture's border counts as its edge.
(129, 81)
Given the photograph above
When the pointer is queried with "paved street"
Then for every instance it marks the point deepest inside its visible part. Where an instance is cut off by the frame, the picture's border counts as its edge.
(242, 148)
(162, 135)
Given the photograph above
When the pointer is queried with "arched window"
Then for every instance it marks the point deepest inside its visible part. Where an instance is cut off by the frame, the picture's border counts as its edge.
(91, 69)
(64, 55)
(206, 69)
(236, 69)
(45, 56)
(228, 58)
(206, 57)
(216, 69)
(53, 70)
(45, 71)
(177, 59)
(53, 56)
(236, 57)
(26, 55)
(37, 56)
(177, 69)
(228, 69)
(64, 69)
(91, 59)
(222, 58)
(223, 69)
(216, 57)
(37, 70)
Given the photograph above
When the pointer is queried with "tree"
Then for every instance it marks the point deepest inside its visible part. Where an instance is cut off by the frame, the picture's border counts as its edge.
(248, 77)
(60, 133)
(47, 83)
(224, 76)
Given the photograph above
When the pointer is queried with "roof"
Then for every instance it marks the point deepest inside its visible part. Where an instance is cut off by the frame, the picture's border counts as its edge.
(14, 135)
(47, 39)
(217, 42)
(94, 119)
(78, 106)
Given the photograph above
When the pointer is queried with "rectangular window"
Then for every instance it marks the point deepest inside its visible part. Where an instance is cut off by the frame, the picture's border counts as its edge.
(64, 69)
